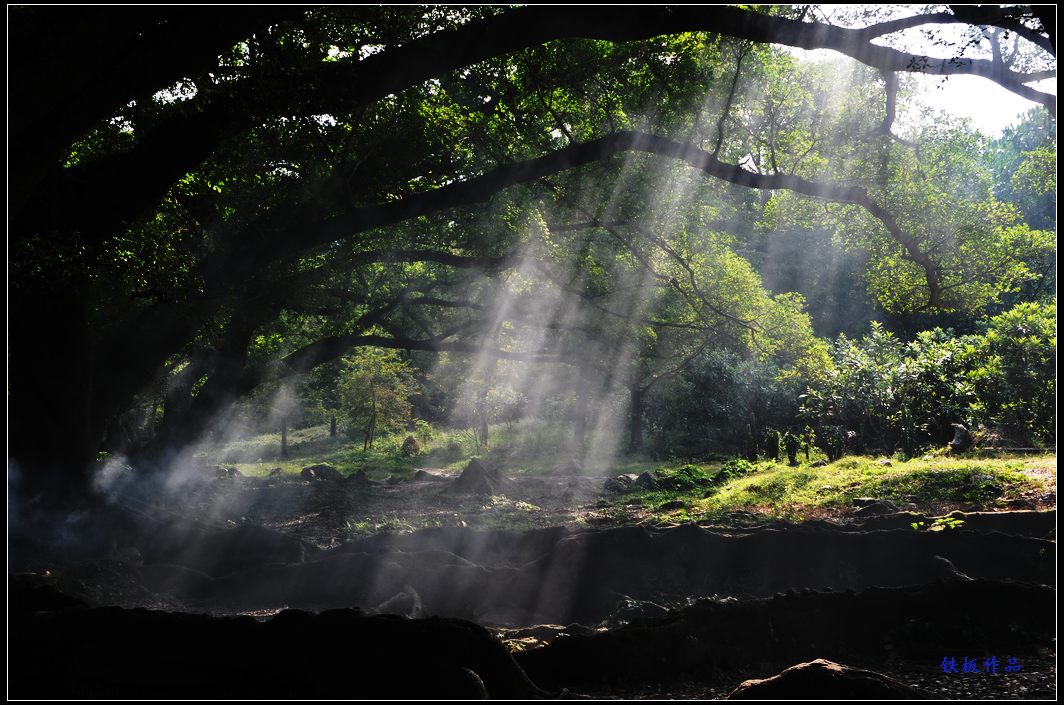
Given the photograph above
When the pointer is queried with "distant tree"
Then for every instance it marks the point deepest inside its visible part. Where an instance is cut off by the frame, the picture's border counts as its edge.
(376, 391)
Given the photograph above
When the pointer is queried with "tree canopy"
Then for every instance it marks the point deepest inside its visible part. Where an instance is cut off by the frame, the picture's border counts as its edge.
(205, 199)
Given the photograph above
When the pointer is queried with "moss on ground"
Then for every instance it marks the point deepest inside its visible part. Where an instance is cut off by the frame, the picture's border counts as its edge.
(782, 491)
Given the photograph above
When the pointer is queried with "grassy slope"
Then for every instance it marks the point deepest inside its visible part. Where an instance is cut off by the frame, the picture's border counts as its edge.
(801, 492)
(771, 489)
(528, 447)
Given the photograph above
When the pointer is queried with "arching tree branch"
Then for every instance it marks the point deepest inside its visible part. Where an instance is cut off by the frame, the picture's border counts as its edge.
(179, 144)
(290, 234)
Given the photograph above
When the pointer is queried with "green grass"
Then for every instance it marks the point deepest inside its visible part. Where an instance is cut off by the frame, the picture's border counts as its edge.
(310, 446)
(789, 492)
(704, 491)
(528, 447)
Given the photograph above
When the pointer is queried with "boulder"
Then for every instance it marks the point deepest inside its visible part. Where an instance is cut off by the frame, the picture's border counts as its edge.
(885, 462)
(321, 472)
(410, 447)
(479, 477)
(646, 481)
(825, 680)
(819, 464)
(962, 439)
(621, 483)
(877, 508)
(114, 653)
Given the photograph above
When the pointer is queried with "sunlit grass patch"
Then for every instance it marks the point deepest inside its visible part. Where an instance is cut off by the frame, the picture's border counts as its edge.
(788, 492)
(783, 491)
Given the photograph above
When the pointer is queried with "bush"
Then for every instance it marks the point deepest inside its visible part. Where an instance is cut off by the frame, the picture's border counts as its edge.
(732, 469)
(685, 478)
(424, 431)
(883, 393)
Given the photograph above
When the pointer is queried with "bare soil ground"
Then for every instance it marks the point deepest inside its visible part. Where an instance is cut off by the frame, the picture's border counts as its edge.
(554, 562)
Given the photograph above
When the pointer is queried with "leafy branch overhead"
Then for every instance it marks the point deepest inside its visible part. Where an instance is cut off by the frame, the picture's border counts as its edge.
(201, 181)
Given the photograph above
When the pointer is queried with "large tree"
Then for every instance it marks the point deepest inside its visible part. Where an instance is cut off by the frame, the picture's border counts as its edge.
(183, 178)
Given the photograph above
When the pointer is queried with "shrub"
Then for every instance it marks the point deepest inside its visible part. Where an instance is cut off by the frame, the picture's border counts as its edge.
(732, 469)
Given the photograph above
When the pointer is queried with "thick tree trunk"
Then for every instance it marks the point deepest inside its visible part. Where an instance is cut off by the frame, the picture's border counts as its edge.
(635, 420)
(54, 429)
(332, 426)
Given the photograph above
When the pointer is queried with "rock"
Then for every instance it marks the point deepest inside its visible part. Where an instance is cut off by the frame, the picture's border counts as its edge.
(825, 680)
(877, 508)
(885, 462)
(863, 501)
(962, 439)
(139, 654)
(646, 481)
(226, 473)
(673, 505)
(478, 478)
(819, 464)
(322, 472)
(410, 447)
(620, 483)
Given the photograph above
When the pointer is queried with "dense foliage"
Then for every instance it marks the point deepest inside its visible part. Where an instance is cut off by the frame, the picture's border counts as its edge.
(887, 394)
(639, 226)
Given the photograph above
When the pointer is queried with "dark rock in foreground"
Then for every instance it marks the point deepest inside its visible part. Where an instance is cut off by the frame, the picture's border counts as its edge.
(111, 653)
(825, 680)
(735, 635)
(322, 472)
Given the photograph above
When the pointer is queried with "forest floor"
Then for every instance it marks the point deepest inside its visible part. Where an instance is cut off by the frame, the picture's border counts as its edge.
(555, 492)
(615, 559)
